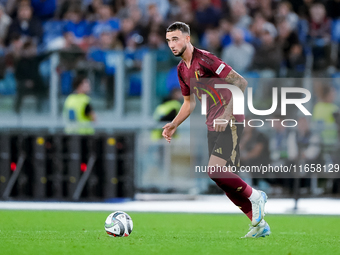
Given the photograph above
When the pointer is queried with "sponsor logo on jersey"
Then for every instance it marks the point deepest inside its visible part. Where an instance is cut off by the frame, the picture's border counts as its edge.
(220, 68)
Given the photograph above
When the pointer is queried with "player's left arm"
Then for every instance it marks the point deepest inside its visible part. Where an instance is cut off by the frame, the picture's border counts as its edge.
(236, 79)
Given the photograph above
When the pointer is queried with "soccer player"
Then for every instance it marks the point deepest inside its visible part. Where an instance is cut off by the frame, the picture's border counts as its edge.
(223, 139)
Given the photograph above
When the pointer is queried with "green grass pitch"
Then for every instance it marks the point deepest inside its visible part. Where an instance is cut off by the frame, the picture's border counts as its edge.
(55, 232)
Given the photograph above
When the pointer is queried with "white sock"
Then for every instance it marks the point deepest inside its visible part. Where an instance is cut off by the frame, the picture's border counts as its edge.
(255, 195)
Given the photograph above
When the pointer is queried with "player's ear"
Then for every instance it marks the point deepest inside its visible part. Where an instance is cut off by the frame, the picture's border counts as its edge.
(187, 38)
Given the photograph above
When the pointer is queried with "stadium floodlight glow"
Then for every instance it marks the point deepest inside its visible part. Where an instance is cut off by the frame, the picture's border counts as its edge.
(238, 100)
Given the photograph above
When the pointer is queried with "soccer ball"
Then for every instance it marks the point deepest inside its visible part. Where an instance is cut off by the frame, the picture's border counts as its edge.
(118, 224)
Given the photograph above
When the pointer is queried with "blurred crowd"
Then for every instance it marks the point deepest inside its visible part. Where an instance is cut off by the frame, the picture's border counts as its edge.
(258, 38)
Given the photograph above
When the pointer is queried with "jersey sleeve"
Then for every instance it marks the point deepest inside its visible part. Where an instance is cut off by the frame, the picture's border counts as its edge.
(219, 68)
(184, 87)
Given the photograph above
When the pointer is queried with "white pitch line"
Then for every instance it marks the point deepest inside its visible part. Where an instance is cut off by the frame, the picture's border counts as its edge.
(325, 206)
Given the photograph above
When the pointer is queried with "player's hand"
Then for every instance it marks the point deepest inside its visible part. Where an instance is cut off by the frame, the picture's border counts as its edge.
(220, 127)
(168, 130)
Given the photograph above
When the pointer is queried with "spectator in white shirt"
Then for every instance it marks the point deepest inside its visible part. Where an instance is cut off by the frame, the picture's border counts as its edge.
(239, 54)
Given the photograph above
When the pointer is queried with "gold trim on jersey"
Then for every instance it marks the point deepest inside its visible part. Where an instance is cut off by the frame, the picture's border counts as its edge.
(234, 138)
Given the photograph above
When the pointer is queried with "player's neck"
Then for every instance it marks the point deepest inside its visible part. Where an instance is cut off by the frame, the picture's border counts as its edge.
(187, 55)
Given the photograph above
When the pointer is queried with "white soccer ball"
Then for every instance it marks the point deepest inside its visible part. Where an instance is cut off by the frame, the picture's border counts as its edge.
(118, 224)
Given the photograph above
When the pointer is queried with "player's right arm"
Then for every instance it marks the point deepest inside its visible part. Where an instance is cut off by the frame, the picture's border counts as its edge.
(187, 107)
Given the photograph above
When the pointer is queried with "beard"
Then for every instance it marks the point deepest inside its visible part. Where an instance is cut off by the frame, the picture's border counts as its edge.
(180, 53)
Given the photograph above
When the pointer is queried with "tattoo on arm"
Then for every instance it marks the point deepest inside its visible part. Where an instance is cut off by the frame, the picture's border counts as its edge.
(235, 79)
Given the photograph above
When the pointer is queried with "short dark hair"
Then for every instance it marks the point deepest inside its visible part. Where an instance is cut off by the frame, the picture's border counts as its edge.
(181, 26)
(78, 80)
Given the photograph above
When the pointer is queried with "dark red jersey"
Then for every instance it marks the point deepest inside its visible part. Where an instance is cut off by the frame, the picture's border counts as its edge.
(205, 71)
